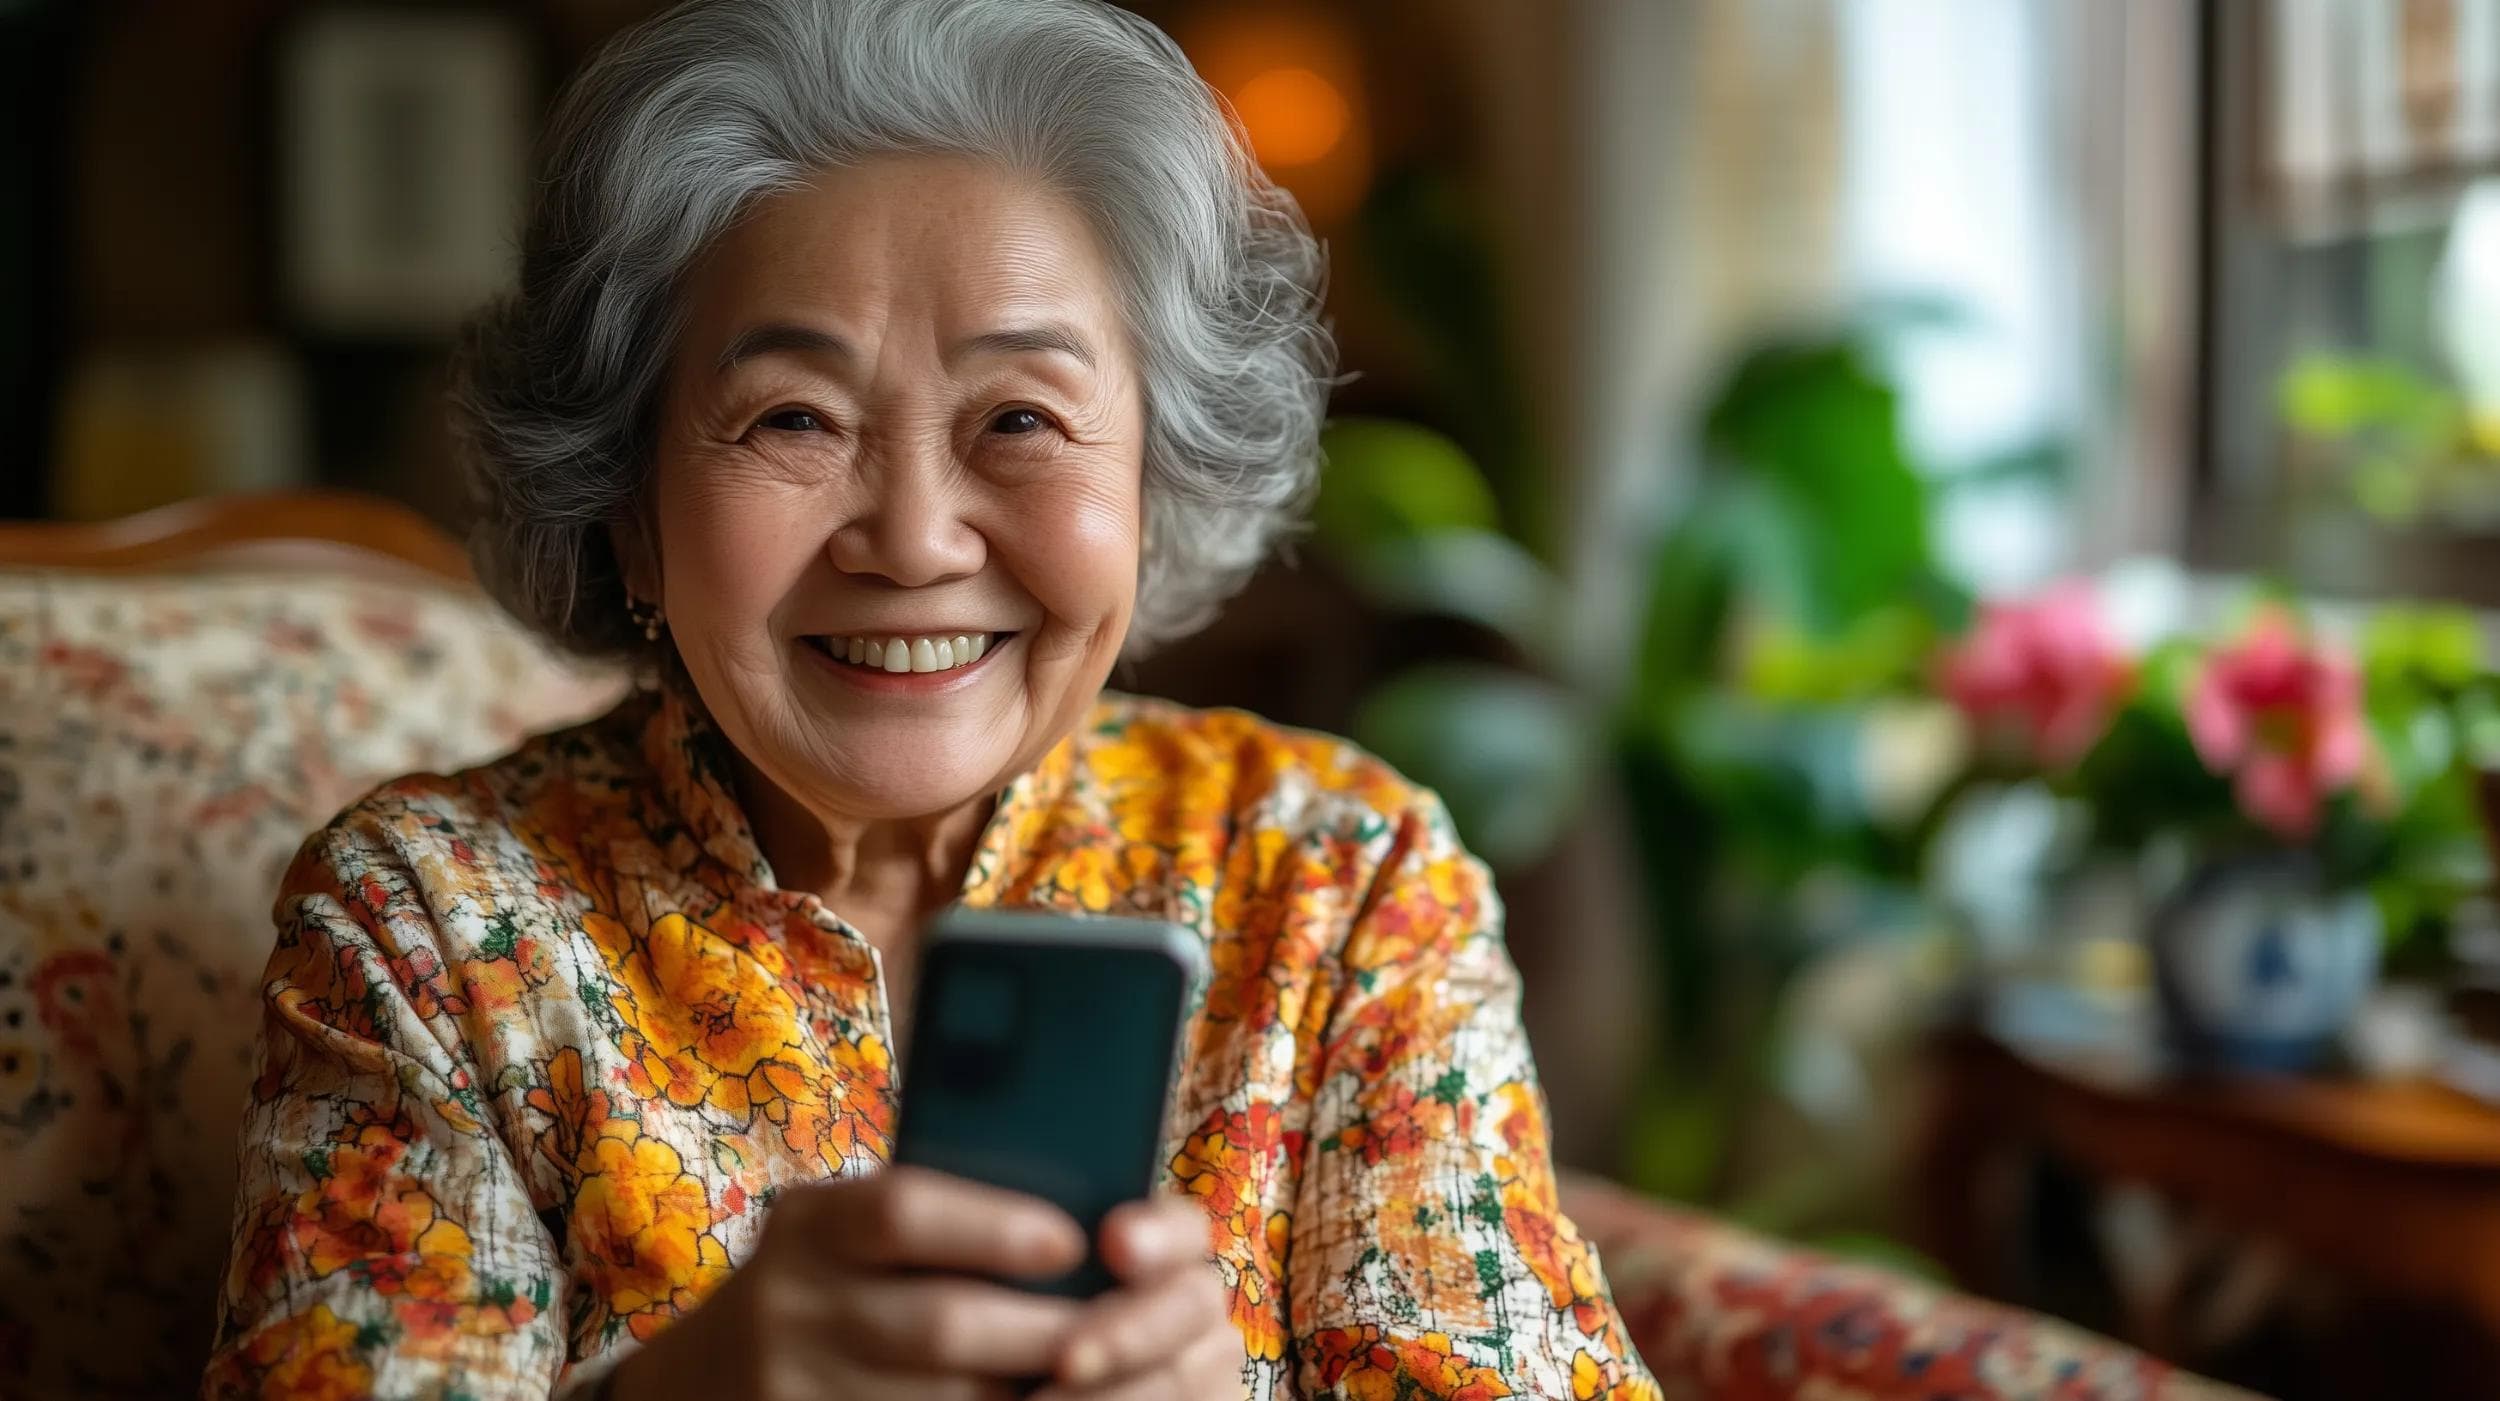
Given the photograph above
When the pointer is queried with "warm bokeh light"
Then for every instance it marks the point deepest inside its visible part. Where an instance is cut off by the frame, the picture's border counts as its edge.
(1294, 76)
(1293, 115)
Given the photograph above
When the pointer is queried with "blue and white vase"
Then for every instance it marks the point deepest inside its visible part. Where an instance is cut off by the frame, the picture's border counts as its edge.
(2260, 966)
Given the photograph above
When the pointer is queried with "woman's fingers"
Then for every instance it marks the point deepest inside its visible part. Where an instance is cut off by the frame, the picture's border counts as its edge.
(906, 1218)
(1142, 1327)
(951, 1326)
(1208, 1368)
(1143, 1239)
(894, 1248)
(1169, 1299)
(920, 1386)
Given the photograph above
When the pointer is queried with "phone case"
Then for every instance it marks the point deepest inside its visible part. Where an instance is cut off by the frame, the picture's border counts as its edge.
(1041, 1057)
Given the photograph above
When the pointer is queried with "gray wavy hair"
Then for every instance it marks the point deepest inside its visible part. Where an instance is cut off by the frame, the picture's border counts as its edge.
(681, 124)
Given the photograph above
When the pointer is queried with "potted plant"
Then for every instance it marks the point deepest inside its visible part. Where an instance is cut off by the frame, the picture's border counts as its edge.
(2293, 810)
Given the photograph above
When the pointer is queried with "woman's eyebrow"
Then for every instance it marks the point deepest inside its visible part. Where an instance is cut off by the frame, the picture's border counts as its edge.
(781, 337)
(1021, 340)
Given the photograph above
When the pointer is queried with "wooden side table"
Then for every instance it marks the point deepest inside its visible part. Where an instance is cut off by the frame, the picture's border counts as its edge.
(2392, 1189)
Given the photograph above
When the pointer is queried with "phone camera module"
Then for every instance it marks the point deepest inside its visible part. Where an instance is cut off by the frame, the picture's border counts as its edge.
(978, 1005)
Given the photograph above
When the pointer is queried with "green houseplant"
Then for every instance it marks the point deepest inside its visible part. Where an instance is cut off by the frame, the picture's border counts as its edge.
(1795, 587)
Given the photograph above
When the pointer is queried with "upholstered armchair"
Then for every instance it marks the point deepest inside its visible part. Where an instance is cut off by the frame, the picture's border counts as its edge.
(184, 695)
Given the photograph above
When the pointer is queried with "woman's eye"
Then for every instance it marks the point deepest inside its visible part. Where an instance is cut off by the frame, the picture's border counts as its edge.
(791, 421)
(1017, 421)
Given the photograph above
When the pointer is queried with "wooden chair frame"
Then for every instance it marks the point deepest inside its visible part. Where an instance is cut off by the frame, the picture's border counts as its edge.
(280, 530)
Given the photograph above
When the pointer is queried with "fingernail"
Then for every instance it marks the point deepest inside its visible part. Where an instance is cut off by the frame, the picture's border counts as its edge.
(1086, 1363)
(1037, 1241)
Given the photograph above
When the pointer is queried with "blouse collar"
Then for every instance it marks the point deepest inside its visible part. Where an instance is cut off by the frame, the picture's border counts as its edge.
(690, 760)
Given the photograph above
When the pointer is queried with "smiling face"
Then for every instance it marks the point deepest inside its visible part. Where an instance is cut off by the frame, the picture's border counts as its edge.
(903, 422)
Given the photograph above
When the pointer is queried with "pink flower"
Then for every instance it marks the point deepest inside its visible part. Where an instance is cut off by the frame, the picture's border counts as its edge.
(2284, 716)
(2046, 667)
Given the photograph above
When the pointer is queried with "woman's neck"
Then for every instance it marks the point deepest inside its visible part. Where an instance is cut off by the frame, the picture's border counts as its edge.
(883, 876)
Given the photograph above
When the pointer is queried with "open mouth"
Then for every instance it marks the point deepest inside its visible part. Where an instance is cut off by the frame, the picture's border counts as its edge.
(916, 653)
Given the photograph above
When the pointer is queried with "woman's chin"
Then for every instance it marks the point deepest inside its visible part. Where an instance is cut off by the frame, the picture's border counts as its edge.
(908, 767)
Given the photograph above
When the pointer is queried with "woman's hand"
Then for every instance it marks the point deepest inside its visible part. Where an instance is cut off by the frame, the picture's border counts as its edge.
(868, 1289)
(1163, 1333)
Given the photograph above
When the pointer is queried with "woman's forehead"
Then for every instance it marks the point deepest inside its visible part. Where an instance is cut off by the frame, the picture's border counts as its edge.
(966, 246)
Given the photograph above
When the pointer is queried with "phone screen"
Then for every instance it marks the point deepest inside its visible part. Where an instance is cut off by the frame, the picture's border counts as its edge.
(1041, 1058)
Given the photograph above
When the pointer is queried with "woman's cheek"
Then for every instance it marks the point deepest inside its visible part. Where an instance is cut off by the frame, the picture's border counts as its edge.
(739, 542)
(1081, 538)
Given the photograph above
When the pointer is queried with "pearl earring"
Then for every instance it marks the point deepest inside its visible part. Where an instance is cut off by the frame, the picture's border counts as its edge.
(645, 614)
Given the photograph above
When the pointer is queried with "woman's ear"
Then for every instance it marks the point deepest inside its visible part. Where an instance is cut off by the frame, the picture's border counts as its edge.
(637, 561)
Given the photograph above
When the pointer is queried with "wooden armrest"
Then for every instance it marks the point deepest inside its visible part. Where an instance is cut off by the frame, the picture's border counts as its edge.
(316, 531)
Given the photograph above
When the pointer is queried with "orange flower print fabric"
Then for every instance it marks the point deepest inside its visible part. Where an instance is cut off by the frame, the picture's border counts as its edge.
(544, 1040)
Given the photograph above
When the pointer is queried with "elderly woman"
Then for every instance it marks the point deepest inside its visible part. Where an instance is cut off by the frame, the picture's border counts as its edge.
(882, 371)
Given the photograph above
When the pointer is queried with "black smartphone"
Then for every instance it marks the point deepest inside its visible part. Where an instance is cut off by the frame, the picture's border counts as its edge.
(1040, 1058)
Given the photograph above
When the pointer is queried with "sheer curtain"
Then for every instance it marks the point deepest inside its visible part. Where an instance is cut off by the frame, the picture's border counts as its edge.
(1962, 178)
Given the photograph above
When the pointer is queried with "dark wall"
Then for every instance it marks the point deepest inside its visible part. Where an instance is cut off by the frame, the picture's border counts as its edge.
(38, 45)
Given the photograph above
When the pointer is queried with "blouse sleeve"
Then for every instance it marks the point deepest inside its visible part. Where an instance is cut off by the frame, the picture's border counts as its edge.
(1429, 1257)
(384, 1241)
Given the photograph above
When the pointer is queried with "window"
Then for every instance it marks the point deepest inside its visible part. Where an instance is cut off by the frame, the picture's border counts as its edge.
(2350, 426)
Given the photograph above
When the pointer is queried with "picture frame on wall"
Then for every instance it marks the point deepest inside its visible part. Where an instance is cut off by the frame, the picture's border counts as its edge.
(402, 165)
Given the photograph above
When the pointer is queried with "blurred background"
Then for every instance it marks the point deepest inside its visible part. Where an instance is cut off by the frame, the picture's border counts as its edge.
(1937, 546)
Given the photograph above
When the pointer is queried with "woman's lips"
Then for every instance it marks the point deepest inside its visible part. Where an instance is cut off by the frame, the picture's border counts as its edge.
(907, 662)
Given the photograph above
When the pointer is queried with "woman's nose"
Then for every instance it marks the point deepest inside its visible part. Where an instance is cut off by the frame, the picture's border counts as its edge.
(912, 530)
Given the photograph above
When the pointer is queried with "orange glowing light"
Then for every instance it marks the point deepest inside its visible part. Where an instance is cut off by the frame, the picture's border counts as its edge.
(1293, 74)
(1293, 116)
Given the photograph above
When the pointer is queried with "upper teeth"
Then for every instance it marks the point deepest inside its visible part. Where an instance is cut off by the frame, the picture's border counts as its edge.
(931, 653)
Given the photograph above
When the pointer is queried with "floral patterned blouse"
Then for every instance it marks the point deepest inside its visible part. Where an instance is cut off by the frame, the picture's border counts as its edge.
(544, 1040)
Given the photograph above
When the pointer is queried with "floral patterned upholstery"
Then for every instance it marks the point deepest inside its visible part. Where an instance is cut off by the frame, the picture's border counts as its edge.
(1722, 1314)
(165, 743)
